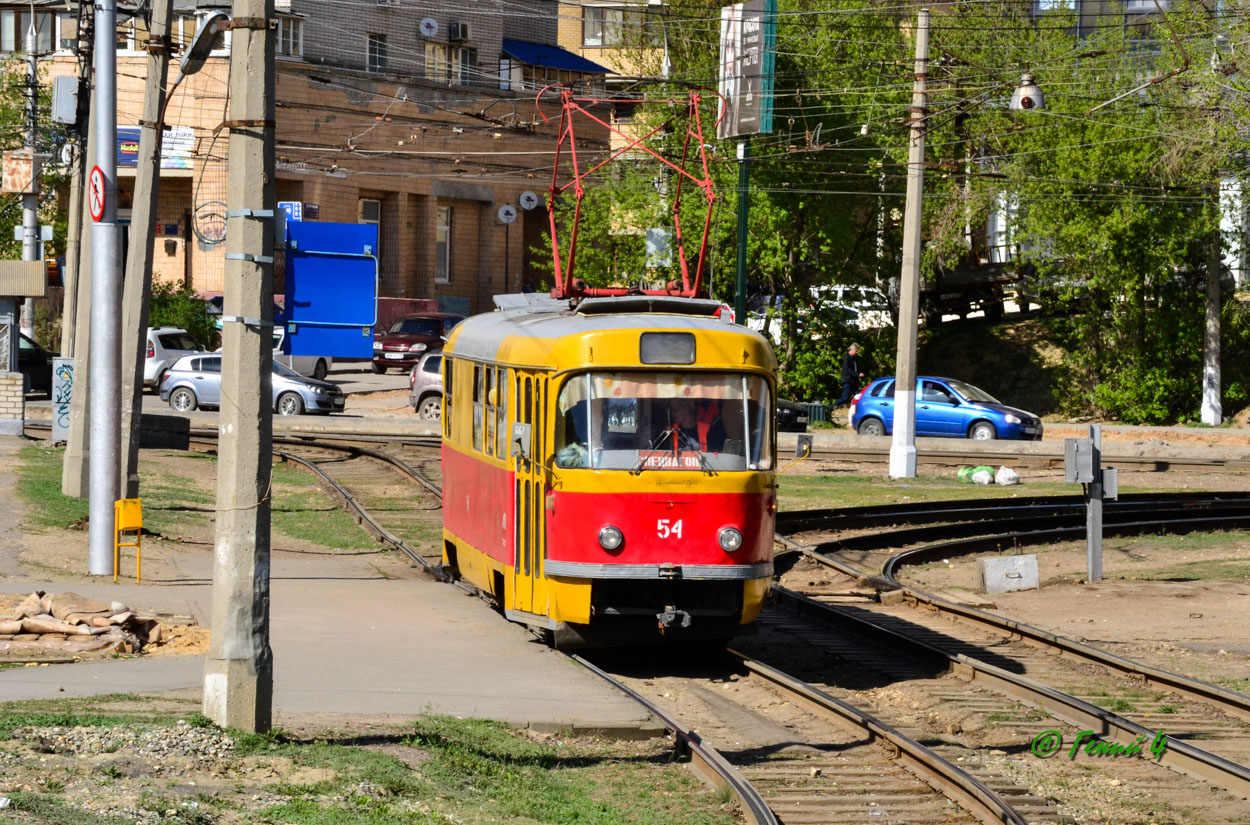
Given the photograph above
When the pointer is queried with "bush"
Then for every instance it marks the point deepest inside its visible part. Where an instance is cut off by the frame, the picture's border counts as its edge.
(177, 305)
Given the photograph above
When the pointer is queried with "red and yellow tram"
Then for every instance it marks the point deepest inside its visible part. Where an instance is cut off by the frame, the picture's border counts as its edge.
(609, 467)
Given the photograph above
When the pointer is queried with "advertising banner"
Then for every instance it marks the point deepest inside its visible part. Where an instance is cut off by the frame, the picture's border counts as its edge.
(748, 37)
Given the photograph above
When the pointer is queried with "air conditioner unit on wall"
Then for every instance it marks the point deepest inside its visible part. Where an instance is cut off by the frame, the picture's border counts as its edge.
(458, 31)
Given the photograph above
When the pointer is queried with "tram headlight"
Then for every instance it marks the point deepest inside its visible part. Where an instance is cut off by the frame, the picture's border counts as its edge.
(611, 538)
(730, 539)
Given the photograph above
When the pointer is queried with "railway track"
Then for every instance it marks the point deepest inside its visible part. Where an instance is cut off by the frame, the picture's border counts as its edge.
(905, 774)
(811, 755)
(955, 456)
(1206, 726)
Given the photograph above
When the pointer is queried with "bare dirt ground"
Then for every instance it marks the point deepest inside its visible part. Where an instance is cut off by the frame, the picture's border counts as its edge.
(1189, 622)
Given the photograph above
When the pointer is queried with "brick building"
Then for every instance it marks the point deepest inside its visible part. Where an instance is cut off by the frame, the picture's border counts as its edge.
(419, 117)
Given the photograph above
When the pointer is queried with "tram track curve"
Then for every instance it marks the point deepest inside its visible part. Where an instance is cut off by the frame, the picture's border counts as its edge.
(933, 623)
(304, 441)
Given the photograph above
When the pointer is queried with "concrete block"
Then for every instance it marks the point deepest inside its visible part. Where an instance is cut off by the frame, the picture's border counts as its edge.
(891, 598)
(1006, 573)
(169, 432)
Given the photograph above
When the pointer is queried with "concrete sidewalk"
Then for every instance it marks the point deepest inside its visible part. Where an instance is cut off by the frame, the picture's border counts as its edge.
(357, 645)
(346, 639)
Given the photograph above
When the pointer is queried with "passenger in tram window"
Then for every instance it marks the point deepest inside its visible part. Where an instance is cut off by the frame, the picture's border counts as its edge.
(700, 424)
(731, 418)
(575, 450)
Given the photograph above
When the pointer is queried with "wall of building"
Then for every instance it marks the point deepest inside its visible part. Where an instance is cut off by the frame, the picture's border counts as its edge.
(347, 135)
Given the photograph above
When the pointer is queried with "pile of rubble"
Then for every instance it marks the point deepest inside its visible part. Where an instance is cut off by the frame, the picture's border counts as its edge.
(74, 624)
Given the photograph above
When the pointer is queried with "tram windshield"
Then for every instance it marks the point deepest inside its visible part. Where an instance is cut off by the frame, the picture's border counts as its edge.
(641, 421)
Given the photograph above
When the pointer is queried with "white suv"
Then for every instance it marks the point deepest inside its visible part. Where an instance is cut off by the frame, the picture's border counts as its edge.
(165, 346)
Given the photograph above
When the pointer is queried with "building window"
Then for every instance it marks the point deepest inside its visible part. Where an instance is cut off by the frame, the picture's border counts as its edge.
(612, 26)
(291, 37)
(1145, 6)
(370, 211)
(1059, 5)
(442, 245)
(13, 26)
(464, 66)
(377, 53)
(436, 62)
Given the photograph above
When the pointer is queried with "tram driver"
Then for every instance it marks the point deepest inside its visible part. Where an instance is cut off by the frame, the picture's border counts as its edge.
(699, 424)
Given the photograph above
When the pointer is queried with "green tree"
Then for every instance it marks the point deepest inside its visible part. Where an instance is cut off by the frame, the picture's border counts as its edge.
(177, 305)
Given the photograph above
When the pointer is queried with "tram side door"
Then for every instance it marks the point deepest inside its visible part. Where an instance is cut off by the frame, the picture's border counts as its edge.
(531, 525)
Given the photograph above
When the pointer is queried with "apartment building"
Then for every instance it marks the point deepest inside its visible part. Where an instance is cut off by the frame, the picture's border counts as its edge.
(417, 116)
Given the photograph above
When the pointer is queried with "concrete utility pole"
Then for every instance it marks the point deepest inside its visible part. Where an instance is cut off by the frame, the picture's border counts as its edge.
(76, 466)
(32, 247)
(238, 673)
(105, 389)
(73, 243)
(1212, 406)
(137, 291)
(903, 450)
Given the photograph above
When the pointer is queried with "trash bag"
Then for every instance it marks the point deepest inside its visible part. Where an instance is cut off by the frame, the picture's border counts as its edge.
(983, 475)
(965, 474)
(1006, 475)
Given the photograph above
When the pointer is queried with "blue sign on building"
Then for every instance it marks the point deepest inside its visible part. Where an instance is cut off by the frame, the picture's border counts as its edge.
(331, 288)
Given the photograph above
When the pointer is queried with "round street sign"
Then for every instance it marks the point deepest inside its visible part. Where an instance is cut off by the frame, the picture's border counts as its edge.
(528, 200)
(507, 213)
(95, 193)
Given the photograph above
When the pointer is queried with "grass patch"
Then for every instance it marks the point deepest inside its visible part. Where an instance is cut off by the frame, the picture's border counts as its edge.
(797, 492)
(1117, 705)
(51, 810)
(437, 770)
(1167, 709)
(1213, 570)
(1238, 685)
(39, 485)
(809, 492)
(301, 510)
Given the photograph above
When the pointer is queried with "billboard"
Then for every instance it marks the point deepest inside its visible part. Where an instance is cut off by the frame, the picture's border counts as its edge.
(748, 37)
(177, 146)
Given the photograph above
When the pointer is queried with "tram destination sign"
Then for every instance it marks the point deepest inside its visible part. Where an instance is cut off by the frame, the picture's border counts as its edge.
(748, 37)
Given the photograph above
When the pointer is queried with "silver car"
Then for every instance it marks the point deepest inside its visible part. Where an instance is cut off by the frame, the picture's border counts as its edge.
(426, 386)
(195, 381)
(165, 346)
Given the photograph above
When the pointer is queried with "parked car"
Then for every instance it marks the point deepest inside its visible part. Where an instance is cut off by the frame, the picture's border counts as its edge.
(35, 363)
(426, 386)
(944, 407)
(195, 381)
(409, 337)
(315, 366)
(165, 346)
(862, 307)
(791, 418)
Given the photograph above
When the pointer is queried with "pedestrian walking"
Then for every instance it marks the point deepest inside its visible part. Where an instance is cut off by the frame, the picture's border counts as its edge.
(850, 376)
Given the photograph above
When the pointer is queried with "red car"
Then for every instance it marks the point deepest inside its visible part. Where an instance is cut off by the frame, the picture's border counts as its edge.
(410, 337)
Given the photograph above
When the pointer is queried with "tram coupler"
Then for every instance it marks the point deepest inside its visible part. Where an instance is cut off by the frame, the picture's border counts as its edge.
(671, 617)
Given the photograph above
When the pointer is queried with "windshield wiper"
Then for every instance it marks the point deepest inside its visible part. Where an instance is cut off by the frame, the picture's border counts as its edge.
(703, 462)
(655, 445)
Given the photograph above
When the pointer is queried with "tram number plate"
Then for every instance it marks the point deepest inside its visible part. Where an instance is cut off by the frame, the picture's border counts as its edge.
(668, 460)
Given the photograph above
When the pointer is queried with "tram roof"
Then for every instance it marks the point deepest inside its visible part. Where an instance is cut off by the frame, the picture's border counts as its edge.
(532, 318)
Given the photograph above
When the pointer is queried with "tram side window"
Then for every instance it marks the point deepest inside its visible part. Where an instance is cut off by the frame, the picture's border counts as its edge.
(449, 392)
(489, 420)
(478, 379)
(501, 414)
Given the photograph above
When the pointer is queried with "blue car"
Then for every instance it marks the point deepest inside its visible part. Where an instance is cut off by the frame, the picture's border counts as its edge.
(944, 407)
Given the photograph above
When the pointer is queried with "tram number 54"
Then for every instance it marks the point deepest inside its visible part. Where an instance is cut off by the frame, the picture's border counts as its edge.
(667, 528)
